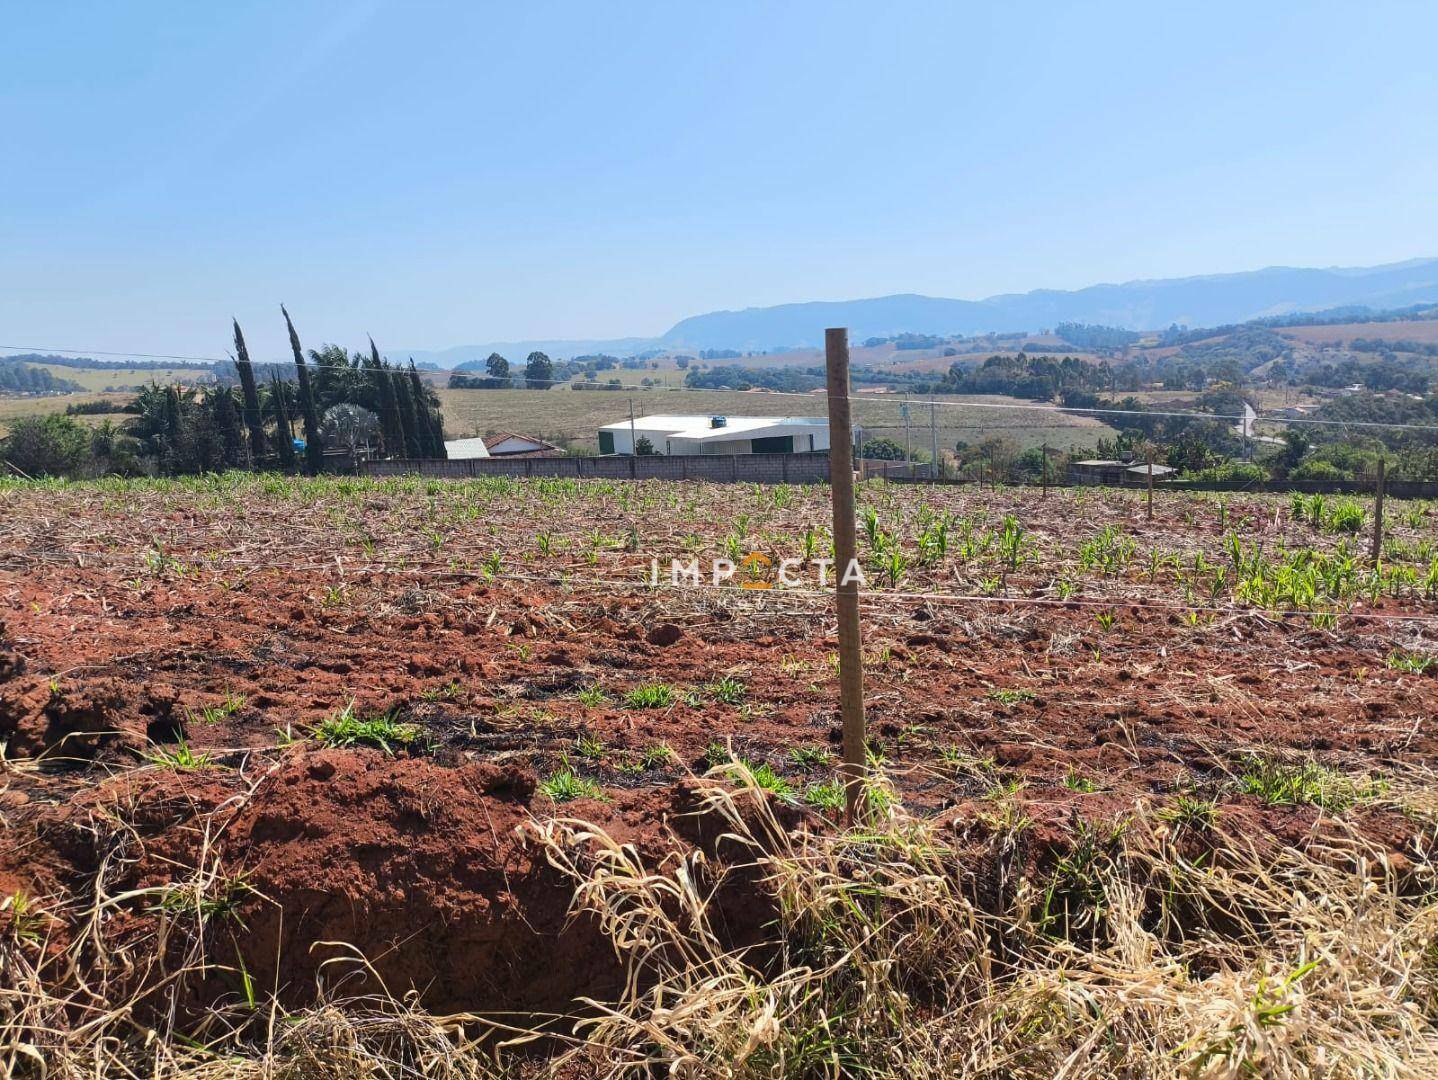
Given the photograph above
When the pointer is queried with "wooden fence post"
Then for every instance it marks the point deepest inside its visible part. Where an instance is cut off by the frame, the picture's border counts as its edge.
(846, 588)
(1378, 512)
(1149, 459)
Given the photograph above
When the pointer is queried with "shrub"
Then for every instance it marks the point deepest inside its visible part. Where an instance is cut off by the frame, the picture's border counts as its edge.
(1231, 472)
(882, 450)
(1319, 470)
(52, 445)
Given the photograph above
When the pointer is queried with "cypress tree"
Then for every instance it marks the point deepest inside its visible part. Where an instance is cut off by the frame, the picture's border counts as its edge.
(314, 449)
(284, 433)
(254, 419)
(413, 441)
(226, 421)
(171, 425)
(431, 423)
(391, 423)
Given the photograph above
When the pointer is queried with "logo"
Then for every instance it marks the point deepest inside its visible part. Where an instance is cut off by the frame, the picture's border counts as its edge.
(756, 571)
(756, 567)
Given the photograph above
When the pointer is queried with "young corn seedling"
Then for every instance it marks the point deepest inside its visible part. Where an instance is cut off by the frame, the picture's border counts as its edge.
(1412, 663)
(1006, 696)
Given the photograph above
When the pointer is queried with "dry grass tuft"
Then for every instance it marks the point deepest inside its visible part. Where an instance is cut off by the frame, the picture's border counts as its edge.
(1133, 959)
(1153, 947)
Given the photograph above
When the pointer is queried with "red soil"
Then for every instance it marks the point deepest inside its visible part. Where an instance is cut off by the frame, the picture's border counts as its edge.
(418, 862)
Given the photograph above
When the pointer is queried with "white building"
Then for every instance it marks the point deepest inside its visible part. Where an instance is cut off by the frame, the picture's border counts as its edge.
(718, 434)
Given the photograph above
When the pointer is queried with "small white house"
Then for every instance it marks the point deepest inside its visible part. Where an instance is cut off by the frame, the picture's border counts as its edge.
(717, 434)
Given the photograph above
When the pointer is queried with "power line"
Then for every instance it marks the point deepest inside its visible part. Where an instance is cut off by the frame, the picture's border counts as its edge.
(55, 350)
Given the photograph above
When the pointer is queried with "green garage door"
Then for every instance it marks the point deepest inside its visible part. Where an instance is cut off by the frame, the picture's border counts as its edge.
(606, 442)
(779, 444)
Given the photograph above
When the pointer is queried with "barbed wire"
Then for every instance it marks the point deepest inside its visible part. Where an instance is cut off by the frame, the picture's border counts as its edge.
(738, 590)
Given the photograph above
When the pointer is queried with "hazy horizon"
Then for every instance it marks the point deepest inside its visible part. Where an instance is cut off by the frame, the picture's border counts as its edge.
(441, 174)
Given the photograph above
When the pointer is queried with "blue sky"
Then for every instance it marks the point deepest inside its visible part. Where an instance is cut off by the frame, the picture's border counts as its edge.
(445, 173)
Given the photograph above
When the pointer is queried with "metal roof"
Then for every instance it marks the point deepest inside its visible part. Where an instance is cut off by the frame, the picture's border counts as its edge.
(464, 449)
(702, 429)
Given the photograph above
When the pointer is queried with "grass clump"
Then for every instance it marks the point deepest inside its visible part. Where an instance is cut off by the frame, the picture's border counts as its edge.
(1005, 696)
(651, 696)
(728, 690)
(1302, 784)
(347, 728)
(592, 697)
(1412, 663)
(181, 758)
(1076, 781)
(566, 786)
(1190, 812)
(220, 900)
(762, 776)
(827, 796)
(25, 918)
(716, 754)
(1344, 517)
(657, 756)
(589, 747)
(810, 757)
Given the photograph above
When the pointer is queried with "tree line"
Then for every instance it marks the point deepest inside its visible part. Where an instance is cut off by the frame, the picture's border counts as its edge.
(251, 417)
(19, 377)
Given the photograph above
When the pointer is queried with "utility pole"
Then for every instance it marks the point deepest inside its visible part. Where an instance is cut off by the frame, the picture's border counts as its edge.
(633, 443)
(846, 585)
(934, 434)
(1378, 511)
(1045, 452)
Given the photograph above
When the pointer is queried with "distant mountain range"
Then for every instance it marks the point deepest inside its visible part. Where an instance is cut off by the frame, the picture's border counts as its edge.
(1210, 300)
